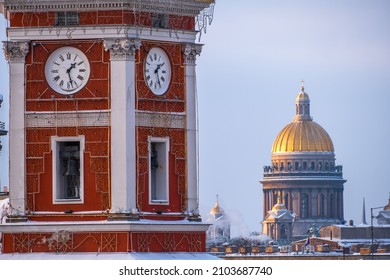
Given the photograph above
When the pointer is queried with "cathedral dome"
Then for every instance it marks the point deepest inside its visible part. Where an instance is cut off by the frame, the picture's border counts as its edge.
(303, 134)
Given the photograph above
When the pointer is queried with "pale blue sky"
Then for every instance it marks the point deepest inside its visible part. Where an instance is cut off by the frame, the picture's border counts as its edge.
(255, 55)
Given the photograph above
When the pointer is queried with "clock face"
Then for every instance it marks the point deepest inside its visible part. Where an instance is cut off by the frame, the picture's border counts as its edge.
(67, 70)
(157, 71)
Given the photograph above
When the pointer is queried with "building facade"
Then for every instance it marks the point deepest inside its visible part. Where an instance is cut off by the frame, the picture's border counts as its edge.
(304, 173)
(103, 100)
(219, 230)
(278, 223)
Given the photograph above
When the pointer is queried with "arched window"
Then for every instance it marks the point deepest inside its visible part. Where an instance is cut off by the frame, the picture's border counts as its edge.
(283, 232)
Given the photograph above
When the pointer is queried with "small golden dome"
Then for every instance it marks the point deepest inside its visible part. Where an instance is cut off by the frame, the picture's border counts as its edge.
(302, 96)
(279, 206)
(216, 209)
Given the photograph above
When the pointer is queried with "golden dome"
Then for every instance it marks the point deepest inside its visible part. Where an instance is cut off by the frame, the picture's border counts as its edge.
(279, 206)
(302, 96)
(216, 209)
(303, 134)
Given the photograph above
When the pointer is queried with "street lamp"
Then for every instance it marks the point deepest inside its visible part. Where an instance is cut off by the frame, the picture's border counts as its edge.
(372, 230)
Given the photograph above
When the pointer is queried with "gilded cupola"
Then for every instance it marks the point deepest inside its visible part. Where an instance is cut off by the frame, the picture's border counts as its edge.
(303, 134)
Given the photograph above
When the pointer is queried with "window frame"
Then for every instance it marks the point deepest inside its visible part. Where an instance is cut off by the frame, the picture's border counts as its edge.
(55, 147)
(67, 18)
(166, 141)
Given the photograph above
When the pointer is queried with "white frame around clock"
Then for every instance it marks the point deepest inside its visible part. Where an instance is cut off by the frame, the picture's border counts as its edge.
(167, 67)
(54, 57)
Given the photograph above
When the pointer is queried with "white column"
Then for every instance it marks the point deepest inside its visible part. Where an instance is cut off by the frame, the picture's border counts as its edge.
(190, 53)
(123, 158)
(15, 52)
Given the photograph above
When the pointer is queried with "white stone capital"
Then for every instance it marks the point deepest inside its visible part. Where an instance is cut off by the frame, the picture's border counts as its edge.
(122, 48)
(190, 51)
(15, 51)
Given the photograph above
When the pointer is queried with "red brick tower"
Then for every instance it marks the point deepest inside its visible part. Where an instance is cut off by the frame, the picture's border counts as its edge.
(103, 130)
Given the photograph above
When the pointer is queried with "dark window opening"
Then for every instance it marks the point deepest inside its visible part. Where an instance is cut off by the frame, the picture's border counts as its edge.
(283, 232)
(69, 170)
(67, 18)
(160, 21)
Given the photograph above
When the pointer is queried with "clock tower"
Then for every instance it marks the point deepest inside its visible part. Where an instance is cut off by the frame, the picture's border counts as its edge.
(103, 126)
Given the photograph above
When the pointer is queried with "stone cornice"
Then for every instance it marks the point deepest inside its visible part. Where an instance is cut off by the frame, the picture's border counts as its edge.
(178, 7)
(105, 226)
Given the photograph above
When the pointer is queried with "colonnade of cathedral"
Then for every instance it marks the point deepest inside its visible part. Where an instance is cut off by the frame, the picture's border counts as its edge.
(307, 203)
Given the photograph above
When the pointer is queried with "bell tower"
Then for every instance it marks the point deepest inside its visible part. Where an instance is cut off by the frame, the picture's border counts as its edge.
(103, 130)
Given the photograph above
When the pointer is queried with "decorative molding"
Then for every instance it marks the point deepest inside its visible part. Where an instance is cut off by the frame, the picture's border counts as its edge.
(16, 51)
(153, 119)
(177, 7)
(83, 32)
(106, 226)
(190, 52)
(67, 119)
(101, 118)
(122, 48)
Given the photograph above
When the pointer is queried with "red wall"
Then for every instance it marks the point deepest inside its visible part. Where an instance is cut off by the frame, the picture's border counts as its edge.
(30, 19)
(172, 101)
(40, 97)
(65, 242)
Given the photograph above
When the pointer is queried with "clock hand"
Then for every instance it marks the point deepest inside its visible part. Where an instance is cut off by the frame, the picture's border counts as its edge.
(156, 72)
(158, 79)
(72, 65)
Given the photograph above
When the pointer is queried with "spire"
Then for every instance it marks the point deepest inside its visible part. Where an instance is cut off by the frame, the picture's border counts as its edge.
(302, 104)
(364, 222)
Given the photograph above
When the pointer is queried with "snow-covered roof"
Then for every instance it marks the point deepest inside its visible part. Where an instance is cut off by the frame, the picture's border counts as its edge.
(109, 256)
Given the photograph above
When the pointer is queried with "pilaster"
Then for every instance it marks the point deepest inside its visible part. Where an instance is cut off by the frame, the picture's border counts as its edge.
(123, 140)
(191, 51)
(15, 53)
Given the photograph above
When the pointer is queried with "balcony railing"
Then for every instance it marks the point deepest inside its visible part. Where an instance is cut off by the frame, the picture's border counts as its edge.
(335, 172)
